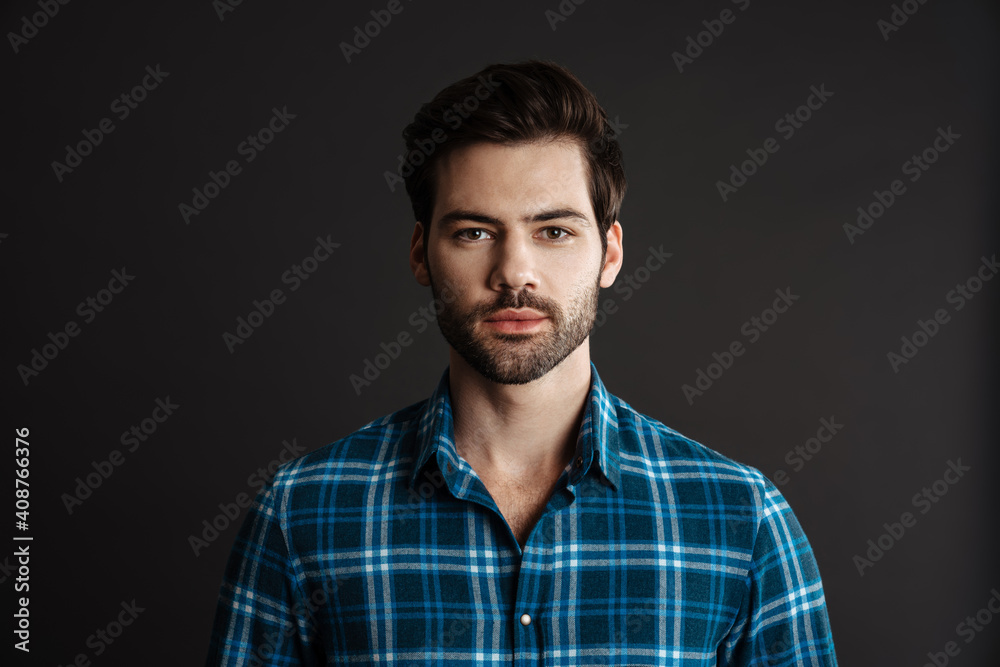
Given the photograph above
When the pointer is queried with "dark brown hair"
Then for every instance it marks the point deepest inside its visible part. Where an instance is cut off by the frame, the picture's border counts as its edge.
(512, 103)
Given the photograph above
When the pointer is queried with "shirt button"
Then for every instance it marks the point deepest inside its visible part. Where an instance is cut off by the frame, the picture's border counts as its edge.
(579, 461)
(447, 467)
(525, 619)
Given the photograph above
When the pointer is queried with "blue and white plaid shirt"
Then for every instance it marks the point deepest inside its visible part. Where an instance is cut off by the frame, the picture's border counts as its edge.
(386, 548)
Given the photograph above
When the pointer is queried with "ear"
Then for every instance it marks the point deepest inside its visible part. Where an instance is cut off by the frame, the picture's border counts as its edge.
(614, 257)
(418, 256)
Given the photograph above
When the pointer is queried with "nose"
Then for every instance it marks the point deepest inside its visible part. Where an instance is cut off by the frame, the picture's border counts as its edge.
(514, 263)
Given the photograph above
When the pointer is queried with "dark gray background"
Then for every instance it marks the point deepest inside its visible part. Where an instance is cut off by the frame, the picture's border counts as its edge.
(323, 175)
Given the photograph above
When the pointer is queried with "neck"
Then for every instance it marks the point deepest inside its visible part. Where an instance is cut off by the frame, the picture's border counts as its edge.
(520, 430)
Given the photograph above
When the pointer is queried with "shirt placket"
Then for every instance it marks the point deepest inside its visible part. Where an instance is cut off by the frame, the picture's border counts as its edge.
(535, 587)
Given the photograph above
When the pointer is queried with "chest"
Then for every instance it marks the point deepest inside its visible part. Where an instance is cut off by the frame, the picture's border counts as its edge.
(438, 579)
(521, 501)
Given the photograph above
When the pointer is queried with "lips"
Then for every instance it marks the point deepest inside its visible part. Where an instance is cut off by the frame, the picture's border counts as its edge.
(516, 315)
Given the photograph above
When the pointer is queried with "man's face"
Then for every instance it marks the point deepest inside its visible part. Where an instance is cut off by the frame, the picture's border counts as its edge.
(513, 229)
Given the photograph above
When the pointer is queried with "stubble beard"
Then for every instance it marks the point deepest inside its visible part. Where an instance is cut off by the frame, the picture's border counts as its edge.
(518, 358)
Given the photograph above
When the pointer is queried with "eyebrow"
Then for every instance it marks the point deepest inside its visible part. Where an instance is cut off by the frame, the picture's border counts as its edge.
(463, 215)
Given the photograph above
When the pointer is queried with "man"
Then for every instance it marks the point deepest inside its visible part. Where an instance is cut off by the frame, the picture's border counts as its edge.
(522, 514)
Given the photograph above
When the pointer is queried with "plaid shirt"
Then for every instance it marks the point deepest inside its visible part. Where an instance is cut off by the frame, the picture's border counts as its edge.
(386, 548)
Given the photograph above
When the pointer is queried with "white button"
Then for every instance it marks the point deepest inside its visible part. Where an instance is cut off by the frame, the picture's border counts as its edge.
(525, 619)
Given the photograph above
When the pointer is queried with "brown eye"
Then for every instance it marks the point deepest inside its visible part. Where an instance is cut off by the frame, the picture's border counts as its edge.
(462, 234)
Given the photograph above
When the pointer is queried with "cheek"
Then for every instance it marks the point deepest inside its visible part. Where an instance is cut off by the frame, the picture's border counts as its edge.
(444, 263)
(571, 276)
(463, 282)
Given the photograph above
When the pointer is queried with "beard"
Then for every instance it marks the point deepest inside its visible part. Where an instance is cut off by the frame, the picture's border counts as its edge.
(519, 358)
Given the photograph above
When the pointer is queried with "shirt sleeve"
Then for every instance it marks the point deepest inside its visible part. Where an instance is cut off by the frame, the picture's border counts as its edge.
(782, 620)
(263, 617)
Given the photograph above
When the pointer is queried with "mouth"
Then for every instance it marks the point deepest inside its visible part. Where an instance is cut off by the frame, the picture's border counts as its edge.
(513, 321)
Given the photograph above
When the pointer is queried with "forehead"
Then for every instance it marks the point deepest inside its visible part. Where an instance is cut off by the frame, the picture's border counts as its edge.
(513, 179)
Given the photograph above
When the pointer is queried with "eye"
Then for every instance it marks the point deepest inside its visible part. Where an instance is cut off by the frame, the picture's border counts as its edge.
(562, 233)
(477, 234)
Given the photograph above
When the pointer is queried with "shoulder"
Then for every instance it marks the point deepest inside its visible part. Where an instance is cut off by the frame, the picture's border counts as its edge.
(648, 446)
(691, 474)
(382, 442)
(697, 485)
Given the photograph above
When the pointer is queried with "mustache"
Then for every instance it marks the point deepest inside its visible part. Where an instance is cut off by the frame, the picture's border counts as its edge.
(515, 300)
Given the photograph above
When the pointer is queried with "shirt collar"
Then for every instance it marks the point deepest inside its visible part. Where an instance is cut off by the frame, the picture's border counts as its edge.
(597, 444)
